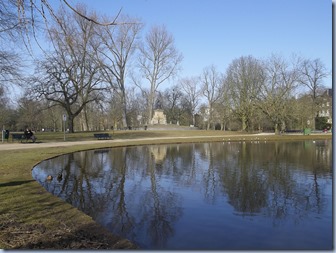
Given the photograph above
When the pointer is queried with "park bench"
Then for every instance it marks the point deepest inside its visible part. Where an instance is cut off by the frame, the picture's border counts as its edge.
(19, 137)
(101, 136)
(22, 137)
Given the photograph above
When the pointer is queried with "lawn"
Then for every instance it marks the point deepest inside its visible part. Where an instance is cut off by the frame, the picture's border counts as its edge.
(30, 217)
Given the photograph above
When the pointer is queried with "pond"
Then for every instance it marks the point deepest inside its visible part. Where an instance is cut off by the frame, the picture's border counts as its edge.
(207, 196)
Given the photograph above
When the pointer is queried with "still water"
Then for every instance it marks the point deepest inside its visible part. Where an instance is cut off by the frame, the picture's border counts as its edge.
(218, 196)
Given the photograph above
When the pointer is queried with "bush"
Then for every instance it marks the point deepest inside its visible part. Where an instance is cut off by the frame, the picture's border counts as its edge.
(321, 123)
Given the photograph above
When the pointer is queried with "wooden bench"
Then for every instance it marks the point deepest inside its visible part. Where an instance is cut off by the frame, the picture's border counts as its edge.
(19, 137)
(22, 137)
(101, 136)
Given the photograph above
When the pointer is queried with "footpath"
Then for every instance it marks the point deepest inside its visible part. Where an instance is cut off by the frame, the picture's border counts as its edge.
(29, 145)
(38, 145)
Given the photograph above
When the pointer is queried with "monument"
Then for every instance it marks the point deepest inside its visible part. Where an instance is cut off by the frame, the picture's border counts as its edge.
(159, 117)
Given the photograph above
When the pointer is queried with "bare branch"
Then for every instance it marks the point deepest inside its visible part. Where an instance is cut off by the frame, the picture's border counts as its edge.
(92, 20)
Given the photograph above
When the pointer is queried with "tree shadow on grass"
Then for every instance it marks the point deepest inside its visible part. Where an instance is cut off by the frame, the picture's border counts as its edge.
(15, 183)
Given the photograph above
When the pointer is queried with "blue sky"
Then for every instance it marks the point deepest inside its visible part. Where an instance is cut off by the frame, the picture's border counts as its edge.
(218, 31)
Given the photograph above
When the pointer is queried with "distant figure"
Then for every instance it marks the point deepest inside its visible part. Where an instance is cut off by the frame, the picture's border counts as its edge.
(29, 135)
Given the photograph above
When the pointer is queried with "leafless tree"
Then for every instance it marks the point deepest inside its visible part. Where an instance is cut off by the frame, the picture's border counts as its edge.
(192, 90)
(10, 40)
(158, 61)
(10, 68)
(30, 112)
(212, 89)
(244, 77)
(312, 75)
(70, 76)
(117, 47)
(10, 25)
(172, 99)
(223, 107)
(280, 79)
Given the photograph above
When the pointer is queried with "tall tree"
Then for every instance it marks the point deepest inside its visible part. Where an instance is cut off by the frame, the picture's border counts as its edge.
(280, 79)
(192, 91)
(312, 74)
(244, 77)
(172, 101)
(70, 75)
(223, 107)
(158, 60)
(30, 112)
(212, 88)
(117, 47)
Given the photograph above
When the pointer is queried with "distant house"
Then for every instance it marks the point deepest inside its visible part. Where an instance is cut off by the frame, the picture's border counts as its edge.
(325, 109)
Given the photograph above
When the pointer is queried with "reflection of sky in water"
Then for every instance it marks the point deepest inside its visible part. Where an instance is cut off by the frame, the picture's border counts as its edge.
(204, 196)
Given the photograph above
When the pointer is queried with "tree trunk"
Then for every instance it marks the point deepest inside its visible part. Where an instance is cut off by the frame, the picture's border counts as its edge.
(84, 121)
(243, 119)
(276, 129)
(71, 123)
(124, 113)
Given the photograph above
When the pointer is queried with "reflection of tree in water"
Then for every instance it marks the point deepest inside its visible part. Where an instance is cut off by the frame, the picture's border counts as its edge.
(81, 178)
(160, 207)
(121, 220)
(209, 174)
(244, 184)
(125, 189)
(160, 210)
(265, 179)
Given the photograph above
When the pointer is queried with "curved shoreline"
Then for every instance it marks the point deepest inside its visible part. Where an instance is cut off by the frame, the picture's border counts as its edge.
(32, 218)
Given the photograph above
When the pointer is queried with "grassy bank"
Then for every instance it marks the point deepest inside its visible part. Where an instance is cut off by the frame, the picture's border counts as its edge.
(30, 217)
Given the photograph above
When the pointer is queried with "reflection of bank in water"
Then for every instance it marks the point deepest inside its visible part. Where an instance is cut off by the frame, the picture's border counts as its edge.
(159, 152)
(101, 151)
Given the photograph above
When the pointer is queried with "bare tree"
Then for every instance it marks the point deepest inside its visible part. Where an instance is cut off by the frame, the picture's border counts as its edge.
(10, 29)
(30, 112)
(212, 88)
(10, 68)
(244, 78)
(10, 24)
(158, 61)
(172, 98)
(192, 91)
(70, 76)
(117, 47)
(223, 107)
(312, 75)
(275, 92)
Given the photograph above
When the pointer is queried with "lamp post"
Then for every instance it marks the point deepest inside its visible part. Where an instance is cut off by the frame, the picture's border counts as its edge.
(64, 120)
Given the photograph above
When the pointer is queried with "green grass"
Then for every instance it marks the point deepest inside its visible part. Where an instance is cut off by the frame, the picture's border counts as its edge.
(136, 134)
(30, 217)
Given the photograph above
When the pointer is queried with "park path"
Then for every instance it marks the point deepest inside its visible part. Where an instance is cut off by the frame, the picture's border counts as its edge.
(39, 145)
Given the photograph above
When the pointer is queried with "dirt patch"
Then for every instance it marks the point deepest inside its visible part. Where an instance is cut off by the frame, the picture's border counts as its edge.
(16, 235)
